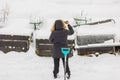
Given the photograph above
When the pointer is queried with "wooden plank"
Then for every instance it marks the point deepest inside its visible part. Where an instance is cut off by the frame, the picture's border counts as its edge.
(13, 37)
(43, 41)
(46, 41)
(101, 22)
(18, 37)
(44, 47)
(95, 49)
(70, 41)
(47, 53)
(13, 43)
(117, 48)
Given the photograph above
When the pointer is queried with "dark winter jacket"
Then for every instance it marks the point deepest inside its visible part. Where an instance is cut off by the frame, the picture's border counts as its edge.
(59, 40)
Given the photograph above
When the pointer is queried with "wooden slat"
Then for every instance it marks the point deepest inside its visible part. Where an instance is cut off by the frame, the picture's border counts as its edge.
(43, 41)
(47, 53)
(13, 37)
(117, 48)
(95, 49)
(45, 47)
(13, 43)
(46, 41)
(70, 41)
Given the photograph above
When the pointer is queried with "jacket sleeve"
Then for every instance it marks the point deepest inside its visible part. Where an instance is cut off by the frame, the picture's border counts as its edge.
(51, 37)
(70, 31)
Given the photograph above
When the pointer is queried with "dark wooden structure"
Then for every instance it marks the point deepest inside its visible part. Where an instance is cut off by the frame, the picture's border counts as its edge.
(94, 39)
(112, 49)
(14, 43)
(44, 47)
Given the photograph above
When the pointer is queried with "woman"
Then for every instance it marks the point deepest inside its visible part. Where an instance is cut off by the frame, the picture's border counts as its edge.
(58, 38)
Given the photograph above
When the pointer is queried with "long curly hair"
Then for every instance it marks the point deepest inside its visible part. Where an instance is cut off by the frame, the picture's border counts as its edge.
(58, 23)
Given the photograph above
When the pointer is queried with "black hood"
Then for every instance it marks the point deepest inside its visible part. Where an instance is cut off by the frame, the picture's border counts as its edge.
(58, 25)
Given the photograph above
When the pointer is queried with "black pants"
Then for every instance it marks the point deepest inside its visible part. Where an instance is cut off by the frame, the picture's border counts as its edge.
(56, 65)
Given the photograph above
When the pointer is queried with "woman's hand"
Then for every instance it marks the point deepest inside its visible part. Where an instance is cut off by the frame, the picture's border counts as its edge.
(67, 22)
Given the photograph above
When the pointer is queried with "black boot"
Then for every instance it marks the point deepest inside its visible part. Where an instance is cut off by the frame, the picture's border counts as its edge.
(55, 76)
(68, 75)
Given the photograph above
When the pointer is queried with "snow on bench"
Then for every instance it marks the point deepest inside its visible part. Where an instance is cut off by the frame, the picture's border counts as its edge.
(15, 36)
(97, 38)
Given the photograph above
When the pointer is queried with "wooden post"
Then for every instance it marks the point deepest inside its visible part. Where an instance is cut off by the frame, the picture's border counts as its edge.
(114, 47)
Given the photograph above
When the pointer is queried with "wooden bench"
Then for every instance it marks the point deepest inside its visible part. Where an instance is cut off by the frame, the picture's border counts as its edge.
(44, 47)
(14, 43)
(101, 49)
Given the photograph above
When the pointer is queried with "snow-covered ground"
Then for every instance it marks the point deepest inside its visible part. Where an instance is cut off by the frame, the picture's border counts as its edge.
(29, 66)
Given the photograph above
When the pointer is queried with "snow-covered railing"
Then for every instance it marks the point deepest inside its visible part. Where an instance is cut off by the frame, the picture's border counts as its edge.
(92, 23)
(101, 22)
